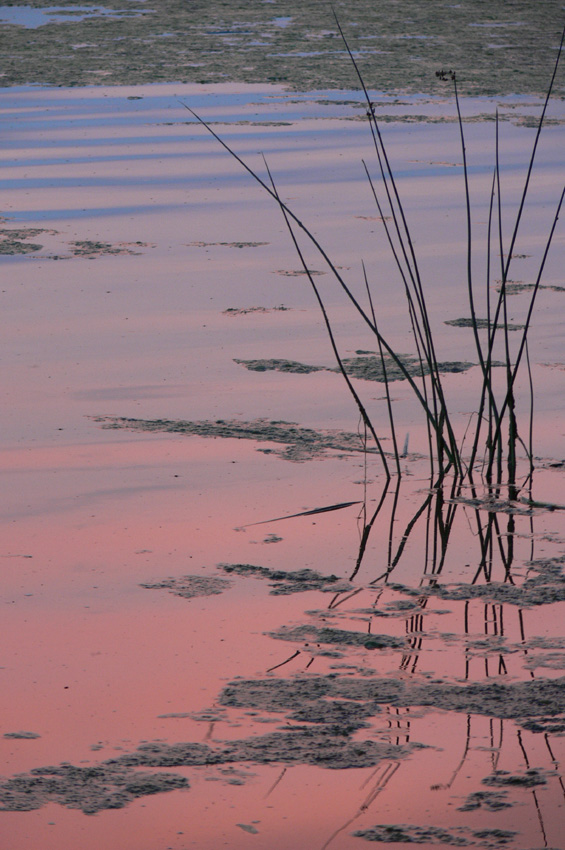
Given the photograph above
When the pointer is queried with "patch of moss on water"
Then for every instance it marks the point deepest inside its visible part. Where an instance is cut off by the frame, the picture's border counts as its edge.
(515, 287)
(15, 241)
(244, 311)
(546, 725)
(299, 272)
(22, 736)
(89, 789)
(531, 778)
(490, 801)
(301, 444)
(190, 587)
(409, 834)
(286, 582)
(282, 582)
(116, 782)
(517, 700)
(399, 46)
(436, 836)
(14, 247)
(336, 637)
(323, 716)
(545, 586)
(366, 366)
(370, 368)
(226, 244)
(481, 324)
(91, 248)
(279, 365)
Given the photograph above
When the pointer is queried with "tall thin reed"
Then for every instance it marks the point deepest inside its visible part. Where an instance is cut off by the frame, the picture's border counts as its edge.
(500, 461)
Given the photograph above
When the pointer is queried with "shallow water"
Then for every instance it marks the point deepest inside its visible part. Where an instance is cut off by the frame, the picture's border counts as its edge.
(415, 704)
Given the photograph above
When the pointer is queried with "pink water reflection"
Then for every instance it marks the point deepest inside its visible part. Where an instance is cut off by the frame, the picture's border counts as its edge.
(92, 661)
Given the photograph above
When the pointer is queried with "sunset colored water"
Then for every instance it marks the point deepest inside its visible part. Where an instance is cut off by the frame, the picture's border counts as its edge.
(181, 667)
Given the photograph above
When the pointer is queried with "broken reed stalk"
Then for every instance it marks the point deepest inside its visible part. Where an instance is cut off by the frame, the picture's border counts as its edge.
(445, 455)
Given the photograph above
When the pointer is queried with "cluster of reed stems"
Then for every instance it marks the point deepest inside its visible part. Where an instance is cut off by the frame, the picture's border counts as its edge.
(494, 423)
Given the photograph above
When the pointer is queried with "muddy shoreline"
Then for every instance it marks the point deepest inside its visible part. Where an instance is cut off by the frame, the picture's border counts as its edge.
(399, 46)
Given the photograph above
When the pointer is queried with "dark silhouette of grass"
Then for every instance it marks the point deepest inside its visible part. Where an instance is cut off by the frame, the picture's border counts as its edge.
(498, 467)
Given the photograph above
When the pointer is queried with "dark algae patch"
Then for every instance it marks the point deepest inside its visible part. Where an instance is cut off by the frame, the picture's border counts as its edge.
(336, 637)
(515, 287)
(327, 743)
(16, 241)
(22, 736)
(496, 699)
(366, 366)
(507, 50)
(490, 801)
(226, 244)
(90, 248)
(283, 582)
(323, 718)
(370, 368)
(545, 585)
(530, 779)
(301, 443)
(481, 324)
(190, 586)
(279, 366)
(90, 789)
(403, 834)
(244, 311)
(319, 746)
(436, 836)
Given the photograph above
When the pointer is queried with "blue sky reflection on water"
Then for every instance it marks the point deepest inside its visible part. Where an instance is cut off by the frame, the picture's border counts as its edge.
(32, 18)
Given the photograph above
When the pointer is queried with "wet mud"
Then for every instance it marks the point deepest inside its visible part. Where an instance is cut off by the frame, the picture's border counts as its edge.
(398, 46)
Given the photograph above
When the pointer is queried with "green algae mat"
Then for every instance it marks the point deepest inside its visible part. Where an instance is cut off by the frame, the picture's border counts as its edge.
(496, 47)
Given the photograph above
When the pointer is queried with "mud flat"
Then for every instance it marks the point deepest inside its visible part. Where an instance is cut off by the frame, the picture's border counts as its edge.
(399, 46)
